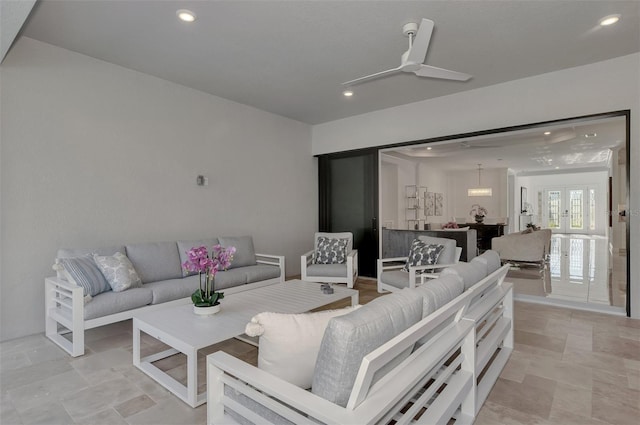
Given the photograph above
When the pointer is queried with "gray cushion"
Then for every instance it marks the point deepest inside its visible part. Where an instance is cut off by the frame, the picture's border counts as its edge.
(245, 253)
(349, 338)
(397, 278)
(155, 261)
(489, 259)
(115, 302)
(184, 246)
(261, 272)
(173, 289)
(84, 271)
(230, 278)
(471, 273)
(448, 254)
(438, 292)
(107, 250)
(327, 270)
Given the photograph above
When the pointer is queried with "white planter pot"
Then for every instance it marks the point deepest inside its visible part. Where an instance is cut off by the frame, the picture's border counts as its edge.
(206, 311)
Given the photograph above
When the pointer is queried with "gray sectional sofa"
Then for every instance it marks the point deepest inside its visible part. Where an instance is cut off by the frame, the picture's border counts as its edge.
(164, 283)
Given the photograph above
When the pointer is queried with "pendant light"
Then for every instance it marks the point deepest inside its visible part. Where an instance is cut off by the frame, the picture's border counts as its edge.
(480, 191)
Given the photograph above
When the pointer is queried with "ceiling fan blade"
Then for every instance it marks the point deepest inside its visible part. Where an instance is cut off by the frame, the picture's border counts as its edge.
(372, 77)
(421, 42)
(433, 72)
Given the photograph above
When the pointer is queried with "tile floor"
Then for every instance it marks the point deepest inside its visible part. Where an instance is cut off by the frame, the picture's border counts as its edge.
(568, 367)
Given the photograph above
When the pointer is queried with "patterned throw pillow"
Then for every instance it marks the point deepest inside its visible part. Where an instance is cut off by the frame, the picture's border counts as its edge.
(119, 271)
(422, 254)
(330, 251)
(84, 272)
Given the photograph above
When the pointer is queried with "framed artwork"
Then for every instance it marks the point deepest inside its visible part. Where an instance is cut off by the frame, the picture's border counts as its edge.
(523, 199)
(429, 204)
(439, 201)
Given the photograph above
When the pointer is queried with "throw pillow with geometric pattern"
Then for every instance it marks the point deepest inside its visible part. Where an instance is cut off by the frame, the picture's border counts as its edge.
(330, 251)
(422, 254)
(118, 271)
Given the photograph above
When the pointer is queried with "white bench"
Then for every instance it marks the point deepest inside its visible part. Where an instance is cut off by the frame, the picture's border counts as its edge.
(468, 342)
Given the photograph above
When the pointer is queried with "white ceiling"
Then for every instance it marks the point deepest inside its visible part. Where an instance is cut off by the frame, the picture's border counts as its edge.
(571, 147)
(290, 57)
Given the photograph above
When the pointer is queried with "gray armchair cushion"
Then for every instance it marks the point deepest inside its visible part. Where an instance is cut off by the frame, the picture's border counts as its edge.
(349, 338)
(155, 261)
(448, 254)
(327, 270)
(471, 273)
(114, 302)
(184, 246)
(397, 278)
(245, 253)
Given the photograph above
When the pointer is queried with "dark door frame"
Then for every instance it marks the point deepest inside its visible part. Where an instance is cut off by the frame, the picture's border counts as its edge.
(323, 159)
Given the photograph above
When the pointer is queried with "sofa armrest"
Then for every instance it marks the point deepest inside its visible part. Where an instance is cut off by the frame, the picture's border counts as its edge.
(272, 392)
(64, 305)
(273, 260)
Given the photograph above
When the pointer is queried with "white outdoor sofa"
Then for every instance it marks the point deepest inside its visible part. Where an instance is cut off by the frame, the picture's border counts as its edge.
(456, 355)
(164, 284)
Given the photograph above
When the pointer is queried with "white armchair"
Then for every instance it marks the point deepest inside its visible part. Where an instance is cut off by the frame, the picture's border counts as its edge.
(346, 272)
(392, 278)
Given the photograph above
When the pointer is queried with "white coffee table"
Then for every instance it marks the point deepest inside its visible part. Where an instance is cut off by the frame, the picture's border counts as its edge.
(187, 333)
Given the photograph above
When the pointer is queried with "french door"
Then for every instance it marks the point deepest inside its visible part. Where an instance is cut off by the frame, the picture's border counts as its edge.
(570, 209)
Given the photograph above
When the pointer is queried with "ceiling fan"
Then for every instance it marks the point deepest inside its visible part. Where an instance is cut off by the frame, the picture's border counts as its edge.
(412, 60)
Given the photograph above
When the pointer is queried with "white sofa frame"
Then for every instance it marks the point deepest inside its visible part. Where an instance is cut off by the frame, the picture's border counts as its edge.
(64, 307)
(349, 279)
(470, 340)
(415, 279)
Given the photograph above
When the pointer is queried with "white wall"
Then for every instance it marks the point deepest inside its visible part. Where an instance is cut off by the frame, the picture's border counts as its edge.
(392, 201)
(610, 85)
(95, 154)
(496, 205)
(594, 179)
(436, 181)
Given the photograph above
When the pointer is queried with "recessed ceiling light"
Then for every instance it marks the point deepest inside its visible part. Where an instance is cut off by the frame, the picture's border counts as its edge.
(609, 20)
(429, 148)
(186, 15)
(546, 133)
(557, 168)
(589, 135)
(348, 93)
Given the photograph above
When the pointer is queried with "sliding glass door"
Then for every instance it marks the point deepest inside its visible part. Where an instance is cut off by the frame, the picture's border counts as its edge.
(349, 202)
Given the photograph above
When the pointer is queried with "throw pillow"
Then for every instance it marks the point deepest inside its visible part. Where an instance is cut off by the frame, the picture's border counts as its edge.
(83, 272)
(330, 251)
(289, 343)
(118, 271)
(422, 254)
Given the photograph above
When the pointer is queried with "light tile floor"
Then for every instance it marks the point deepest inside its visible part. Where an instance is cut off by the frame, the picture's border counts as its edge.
(568, 367)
